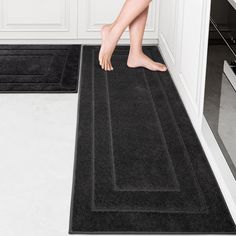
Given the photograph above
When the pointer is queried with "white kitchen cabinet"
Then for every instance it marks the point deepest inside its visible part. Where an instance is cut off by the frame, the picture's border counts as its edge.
(34, 19)
(93, 14)
(183, 34)
(65, 21)
(183, 41)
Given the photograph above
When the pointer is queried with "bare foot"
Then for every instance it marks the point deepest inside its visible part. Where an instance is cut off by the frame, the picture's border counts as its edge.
(141, 60)
(109, 41)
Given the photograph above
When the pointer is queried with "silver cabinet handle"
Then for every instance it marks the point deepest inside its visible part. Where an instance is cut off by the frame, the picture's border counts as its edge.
(230, 74)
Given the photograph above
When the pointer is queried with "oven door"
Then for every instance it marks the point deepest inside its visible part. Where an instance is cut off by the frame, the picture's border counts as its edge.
(227, 116)
(223, 17)
(220, 89)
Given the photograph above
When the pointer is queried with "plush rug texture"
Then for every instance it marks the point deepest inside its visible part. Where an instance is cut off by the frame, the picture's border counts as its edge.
(139, 166)
(39, 68)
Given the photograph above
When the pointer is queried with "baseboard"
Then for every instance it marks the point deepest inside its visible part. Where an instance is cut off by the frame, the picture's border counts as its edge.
(70, 41)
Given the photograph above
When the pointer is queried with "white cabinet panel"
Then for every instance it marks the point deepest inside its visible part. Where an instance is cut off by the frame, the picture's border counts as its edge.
(190, 48)
(183, 38)
(34, 19)
(168, 18)
(93, 14)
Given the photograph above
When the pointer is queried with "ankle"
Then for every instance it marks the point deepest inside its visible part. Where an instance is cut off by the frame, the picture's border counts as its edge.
(135, 51)
(115, 29)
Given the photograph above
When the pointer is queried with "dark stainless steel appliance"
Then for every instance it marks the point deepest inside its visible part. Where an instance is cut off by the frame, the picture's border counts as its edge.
(220, 92)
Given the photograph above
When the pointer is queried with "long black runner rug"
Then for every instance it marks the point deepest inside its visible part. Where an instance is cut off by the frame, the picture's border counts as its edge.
(39, 68)
(139, 166)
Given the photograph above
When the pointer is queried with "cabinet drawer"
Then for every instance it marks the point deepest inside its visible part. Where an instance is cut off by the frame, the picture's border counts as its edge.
(38, 19)
(95, 13)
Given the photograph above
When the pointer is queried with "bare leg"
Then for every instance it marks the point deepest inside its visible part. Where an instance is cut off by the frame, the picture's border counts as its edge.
(136, 56)
(112, 33)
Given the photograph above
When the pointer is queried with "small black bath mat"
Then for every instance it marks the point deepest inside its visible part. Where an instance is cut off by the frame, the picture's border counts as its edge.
(139, 167)
(39, 68)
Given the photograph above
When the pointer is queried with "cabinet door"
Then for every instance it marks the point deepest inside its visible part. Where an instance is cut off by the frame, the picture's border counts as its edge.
(38, 19)
(93, 14)
(184, 26)
(167, 30)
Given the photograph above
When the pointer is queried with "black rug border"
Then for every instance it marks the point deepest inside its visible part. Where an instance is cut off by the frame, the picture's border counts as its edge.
(74, 232)
(58, 88)
(76, 144)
